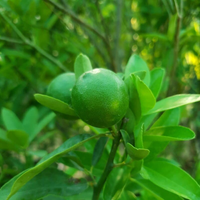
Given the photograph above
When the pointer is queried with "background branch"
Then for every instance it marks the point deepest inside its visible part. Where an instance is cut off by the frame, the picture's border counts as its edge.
(118, 33)
(84, 24)
(28, 42)
(11, 40)
(172, 89)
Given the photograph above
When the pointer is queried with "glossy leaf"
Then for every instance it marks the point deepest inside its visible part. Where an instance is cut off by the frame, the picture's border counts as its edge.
(169, 133)
(10, 120)
(141, 97)
(18, 137)
(56, 183)
(140, 74)
(27, 175)
(168, 118)
(157, 75)
(127, 195)
(134, 99)
(171, 178)
(56, 105)
(136, 153)
(129, 124)
(72, 160)
(136, 63)
(174, 102)
(139, 137)
(82, 64)
(157, 192)
(147, 98)
(98, 150)
(125, 136)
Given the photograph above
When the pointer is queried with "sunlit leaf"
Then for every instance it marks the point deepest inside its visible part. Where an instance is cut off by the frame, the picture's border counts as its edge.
(136, 63)
(171, 178)
(82, 64)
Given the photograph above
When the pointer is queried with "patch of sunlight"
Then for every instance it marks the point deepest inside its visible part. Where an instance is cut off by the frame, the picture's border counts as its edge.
(192, 59)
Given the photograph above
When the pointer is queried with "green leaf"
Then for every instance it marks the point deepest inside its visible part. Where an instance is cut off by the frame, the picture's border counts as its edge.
(141, 97)
(139, 137)
(87, 194)
(116, 183)
(174, 102)
(55, 182)
(125, 136)
(72, 160)
(5, 143)
(157, 192)
(82, 64)
(98, 150)
(129, 122)
(134, 99)
(157, 75)
(10, 120)
(41, 125)
(171, 178)
(30, 120)
(16, 183)
(147, 98)
(56, 105)
(18, 137)
(169, 133)
(136, 153)
(140, 74)
(127, 195)
(135, 64)
(168, 118)
(146, 120)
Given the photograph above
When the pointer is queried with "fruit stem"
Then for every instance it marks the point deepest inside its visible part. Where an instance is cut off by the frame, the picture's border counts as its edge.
(114, 131)
(109, 166)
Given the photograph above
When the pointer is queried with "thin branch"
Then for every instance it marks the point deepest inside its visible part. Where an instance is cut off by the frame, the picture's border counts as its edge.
(105, 28)
(106, 31)
(176, 51)
(118, 32)
(81, 22)
(28, 42)
(96, 45)
(75, 18)
(109, 166)
(11, 40)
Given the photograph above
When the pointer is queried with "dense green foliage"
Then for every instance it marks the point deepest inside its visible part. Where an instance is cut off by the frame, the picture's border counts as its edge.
(154, 48)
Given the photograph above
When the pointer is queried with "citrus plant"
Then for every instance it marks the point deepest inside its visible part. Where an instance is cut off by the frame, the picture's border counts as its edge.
(121, 159)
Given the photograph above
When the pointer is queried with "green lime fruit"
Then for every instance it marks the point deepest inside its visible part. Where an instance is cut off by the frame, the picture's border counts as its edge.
(61, 87)
(100, 98)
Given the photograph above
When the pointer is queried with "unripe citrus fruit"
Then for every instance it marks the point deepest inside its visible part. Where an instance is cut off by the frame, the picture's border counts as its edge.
(60, 87)
(100, 98)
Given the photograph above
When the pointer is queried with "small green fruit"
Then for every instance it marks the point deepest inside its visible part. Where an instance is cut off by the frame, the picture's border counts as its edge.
(60, 87)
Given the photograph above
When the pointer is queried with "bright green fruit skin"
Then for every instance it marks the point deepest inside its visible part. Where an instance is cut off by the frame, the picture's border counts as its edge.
(60, 87)
(100, 98)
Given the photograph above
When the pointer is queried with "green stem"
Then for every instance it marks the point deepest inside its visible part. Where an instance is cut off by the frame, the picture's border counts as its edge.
(109, 166)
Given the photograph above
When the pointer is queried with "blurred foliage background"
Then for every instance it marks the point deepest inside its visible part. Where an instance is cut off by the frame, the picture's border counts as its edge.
(39, 39)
